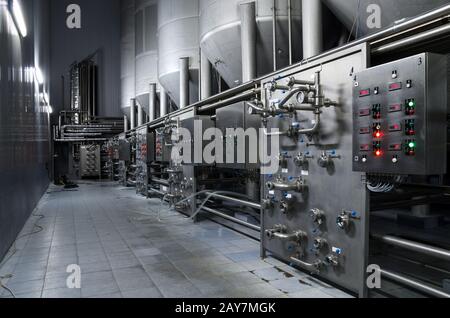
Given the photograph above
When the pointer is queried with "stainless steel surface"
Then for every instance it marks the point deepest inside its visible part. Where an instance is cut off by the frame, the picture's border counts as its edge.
(184, 82)
(128, 54)
(414, 246)
(125, 123)
(178, 37)
(220, 33)
(334, 137)
(90, 161)
(290, 32)
(420, 80)
(417, 38)
(140, 115)
(164, 108)
(152, 102)
(274, 36)
(248, 40)
(146, 46)
(312, 28)
(133, 114)
(422, 287)
(391, 12)
(205, 78)
(24, 130)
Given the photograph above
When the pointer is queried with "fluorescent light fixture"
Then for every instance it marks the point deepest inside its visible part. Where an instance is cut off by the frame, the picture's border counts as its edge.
(19, 19)
(38, 75)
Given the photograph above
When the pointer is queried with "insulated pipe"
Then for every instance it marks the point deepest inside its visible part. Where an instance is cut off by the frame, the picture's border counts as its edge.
(125, 123)
(274, 34)
(290, 32)
(415, 247)
(140, 115)
(205, 77)
(248, 40)
(152, 102)
(132, 114)
(312, 28)
(164, 109)
(184, 82)
(414, 284)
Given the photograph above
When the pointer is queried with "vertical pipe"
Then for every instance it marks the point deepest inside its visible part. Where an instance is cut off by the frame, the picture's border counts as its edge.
(132, 114)
(205, 77)
(140, 115)
(125, 123)
(274, 34)
(312, 28)
(163, 102)
(152, 102)
(184, 82)
(248, 41)
(290, 32)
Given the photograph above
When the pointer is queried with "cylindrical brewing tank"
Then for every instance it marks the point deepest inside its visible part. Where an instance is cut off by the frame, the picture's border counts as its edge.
(128, 55)
(177, 38)
(220, 36)
(367, 10)
(146, 28)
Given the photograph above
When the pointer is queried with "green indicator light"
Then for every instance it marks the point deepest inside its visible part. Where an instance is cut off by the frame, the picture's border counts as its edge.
(412, 145)
(412, 104)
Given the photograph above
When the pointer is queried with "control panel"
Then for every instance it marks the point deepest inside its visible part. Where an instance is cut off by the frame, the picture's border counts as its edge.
(400, 116)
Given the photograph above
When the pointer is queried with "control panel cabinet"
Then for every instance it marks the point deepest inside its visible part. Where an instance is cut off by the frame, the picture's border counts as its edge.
(400, 113)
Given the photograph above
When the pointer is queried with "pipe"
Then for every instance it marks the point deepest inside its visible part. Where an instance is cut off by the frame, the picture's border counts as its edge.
(297, 186)
(313, 268)
(239, 98)
(312, 28)
(427, 35)
(248, 40)
(414, 284)
(140, 115)
(164, 109)
(184, 82)
(235, 200)
(132, 114)
(232, 219)
(152, 102)
(274, 34)
(160, 181)
(290, 32)
(205, 77)
(415, 247)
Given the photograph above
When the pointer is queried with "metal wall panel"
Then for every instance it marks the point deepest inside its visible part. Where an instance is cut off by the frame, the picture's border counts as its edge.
(23, 123)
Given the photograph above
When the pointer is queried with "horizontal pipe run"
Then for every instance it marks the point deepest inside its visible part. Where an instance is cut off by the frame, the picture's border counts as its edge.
(160, 181)
(234, 200)
(239, 98)
(415, 247)
(421, 287)
(232, 219)
(443, 30)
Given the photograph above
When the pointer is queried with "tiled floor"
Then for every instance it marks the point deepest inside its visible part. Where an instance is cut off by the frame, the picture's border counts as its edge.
(124, 250)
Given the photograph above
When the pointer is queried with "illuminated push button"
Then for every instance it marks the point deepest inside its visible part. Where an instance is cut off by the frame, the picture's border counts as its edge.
(395, 159)
(364, 159)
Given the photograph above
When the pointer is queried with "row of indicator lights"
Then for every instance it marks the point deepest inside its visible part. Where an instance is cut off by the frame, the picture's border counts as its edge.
(392, 87)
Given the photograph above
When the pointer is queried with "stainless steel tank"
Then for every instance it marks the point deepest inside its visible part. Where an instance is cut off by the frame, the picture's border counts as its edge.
(146, 49)
(178, 29)
(128, 55)
(220, 35)
(391, 11)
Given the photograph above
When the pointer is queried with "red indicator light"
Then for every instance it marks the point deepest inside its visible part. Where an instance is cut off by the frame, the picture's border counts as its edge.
(378, 153)
(378, 135)
(364, 92)
(395, 86)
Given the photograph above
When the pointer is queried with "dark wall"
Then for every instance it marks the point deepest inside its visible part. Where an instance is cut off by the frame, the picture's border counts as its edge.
(24, 145)
(100, 31)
